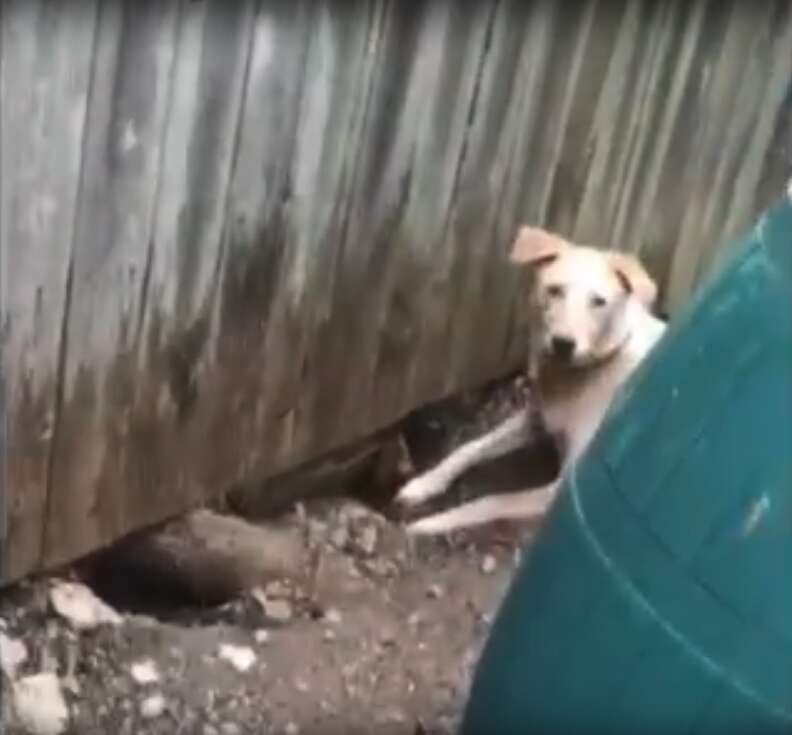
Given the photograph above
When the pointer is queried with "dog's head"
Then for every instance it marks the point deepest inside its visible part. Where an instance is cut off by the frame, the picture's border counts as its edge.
(584, 298)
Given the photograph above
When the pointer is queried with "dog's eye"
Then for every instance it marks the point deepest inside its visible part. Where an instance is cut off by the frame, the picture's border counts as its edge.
(555, 291)
(598, 301)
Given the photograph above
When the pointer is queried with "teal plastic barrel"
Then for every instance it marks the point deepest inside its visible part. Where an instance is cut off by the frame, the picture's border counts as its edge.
(658, 596)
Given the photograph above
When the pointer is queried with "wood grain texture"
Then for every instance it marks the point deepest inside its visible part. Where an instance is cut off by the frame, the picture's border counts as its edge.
(45, 85)
(112, 262)
(235, 236)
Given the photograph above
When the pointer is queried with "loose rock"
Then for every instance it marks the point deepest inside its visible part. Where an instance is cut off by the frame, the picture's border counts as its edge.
(277, 610)
(488, 564)
(240, 657)
(339, 537)
(152, 707)
(367, 540)
(144, 671)
(80, 607)
(13, 654)
(38, 705)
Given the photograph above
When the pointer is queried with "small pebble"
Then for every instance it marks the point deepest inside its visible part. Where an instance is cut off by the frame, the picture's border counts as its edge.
(367, 542)
(387, 637)
(278, 610)
(333, 616)
(489, 564)
(435, 592)
(262, 636)
(152, 707)
(144, 671)
(276, 589)
(339, 537)
(240, 657)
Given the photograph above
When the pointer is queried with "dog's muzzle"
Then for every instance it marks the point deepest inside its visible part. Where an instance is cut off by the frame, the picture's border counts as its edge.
(562, 348)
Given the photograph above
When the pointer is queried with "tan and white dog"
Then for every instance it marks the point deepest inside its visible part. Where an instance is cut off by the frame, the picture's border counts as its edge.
(592, 326)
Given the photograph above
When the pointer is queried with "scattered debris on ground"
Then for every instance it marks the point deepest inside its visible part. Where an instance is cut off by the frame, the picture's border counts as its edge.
(335, 622)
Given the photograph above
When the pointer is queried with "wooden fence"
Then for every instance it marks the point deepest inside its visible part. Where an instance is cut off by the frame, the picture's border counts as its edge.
(235, 235)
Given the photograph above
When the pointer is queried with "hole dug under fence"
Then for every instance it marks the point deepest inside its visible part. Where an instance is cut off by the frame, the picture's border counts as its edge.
(205, 564)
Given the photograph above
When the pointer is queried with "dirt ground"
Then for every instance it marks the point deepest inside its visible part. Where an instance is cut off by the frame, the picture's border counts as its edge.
(384, 641)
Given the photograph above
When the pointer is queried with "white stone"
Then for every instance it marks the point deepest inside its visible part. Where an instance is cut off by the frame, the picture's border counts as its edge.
(144, 671)
(488, 564)
(240, 657)
(152, 707)
(38, 705)
(78, 605)
(278, 609)
(13, 654)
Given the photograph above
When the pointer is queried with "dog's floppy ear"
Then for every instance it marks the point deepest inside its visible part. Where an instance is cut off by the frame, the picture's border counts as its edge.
(534, 246)
(634, 277)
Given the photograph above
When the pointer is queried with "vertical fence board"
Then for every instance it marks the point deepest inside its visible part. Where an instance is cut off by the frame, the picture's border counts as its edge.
(446, 108)
(260, 235)
(111, 263)
(549, 63)
(337, 80)
(46, 61)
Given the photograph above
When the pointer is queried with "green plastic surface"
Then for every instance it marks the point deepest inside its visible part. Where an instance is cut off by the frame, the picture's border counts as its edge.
(658, 596)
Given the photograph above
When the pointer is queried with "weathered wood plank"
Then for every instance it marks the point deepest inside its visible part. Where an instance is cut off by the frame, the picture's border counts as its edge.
(328, 125)
(410, 147)
(45, 75)
(644, 228)
(667, 182)
(253, 324)
(530, 149)
(461, 102)
(765, 84)
(174, 417)
(339, 331)
(112, 258)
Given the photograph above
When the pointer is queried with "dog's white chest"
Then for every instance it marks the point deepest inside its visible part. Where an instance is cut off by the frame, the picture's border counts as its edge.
(575, 413)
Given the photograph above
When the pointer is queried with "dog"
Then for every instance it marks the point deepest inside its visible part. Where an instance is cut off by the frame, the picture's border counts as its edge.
(592, 325)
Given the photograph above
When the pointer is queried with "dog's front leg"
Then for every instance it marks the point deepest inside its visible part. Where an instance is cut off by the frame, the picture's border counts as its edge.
(513, 433)
(521, 505)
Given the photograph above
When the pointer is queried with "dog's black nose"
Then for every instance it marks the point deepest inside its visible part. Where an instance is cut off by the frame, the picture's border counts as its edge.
(563, 348)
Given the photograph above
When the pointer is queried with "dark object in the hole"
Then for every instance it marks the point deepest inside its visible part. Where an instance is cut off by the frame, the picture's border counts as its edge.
(203, 560)
(371, 470)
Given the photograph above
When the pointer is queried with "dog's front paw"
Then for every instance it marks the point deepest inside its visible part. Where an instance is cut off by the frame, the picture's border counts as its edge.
(419, 489)
(427, 526)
